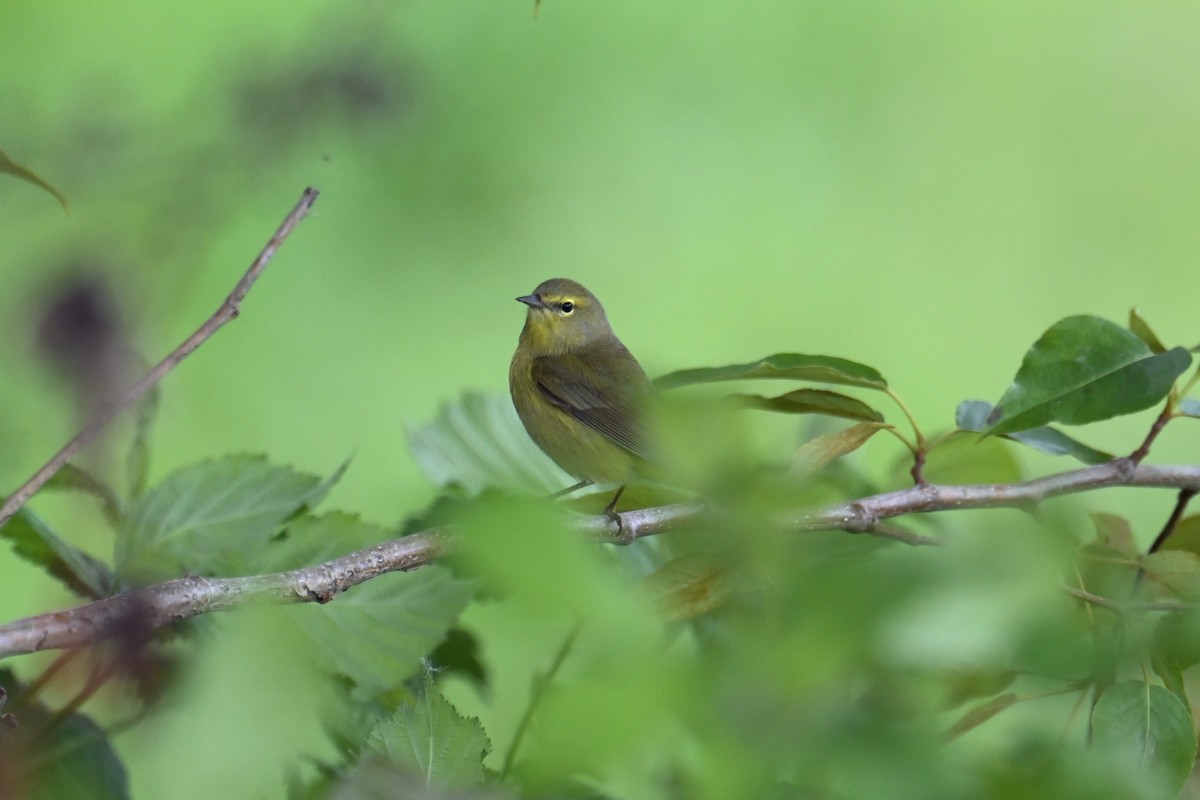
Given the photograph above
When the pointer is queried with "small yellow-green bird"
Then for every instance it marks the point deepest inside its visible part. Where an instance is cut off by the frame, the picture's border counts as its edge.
(578, 390)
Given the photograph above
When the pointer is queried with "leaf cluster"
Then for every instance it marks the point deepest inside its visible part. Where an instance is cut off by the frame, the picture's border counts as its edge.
(1043, 656)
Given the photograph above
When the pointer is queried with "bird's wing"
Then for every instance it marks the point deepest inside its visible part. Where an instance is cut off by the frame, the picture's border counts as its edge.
(608, 403)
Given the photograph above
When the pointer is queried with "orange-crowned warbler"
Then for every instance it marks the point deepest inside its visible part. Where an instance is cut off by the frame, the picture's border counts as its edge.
(579, 392)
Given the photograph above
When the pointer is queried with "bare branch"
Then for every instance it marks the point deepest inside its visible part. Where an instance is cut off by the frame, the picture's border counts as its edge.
(1181, 504)
(1122, 606)
(867, 514)
(162, 604)
(1160, 422)
(862, 515)
(228, 310)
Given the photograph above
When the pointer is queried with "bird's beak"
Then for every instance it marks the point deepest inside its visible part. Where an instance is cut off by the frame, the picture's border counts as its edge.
(532, 300)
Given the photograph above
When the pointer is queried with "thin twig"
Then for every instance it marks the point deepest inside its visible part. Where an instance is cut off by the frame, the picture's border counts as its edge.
(1119, 606)
(228, 310)
(31, 692)
(903, 535)
(97, 677)
(1160, 422)
(918, 468)
(921, 447)
(1181, 503)
(541, 683)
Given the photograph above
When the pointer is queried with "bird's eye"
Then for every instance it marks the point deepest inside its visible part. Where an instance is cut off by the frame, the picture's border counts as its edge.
(567, 307)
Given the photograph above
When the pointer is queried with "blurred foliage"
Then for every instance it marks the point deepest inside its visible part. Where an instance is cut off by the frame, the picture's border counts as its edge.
(914, 186)
(50, 754)
(734, 658)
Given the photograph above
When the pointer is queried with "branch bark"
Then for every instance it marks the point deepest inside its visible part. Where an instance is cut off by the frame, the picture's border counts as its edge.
(162, 604)
(143, 610)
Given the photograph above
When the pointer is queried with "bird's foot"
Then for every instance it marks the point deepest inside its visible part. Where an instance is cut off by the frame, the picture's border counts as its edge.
(624, 534)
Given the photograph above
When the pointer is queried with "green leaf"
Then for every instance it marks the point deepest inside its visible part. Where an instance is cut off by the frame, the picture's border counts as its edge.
(311, 540)
(16, 170)
(1177, 638)
(816, 453)
(1141, 329)
(963, 458)
(373, 778)
(1185, 536)
(1172, 678)
(1150, 726)
(459, 654)
(35, 542)
(429, 738)
(1105, 571)
(1085, 369)
(214, 517)
(972, 415)
(1173, 574)
(318, 495)
(348, 715)
(70, 758)
(1056, 443)
(971, 682)
(479, 443)
(1175, 647)
(522, 549)
(811, 401)
(792, 366)
(1113, 530)
(689, 586)
(376, 633)
(85, 764)
(137, 460)
(76, 479)
(981, 714)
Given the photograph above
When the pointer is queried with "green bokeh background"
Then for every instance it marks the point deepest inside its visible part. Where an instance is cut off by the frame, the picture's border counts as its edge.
(923, 187)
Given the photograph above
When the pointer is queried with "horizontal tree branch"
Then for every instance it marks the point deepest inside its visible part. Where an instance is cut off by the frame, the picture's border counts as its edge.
(866, 515)
(162, 604)
(141, 610)
(862, 515)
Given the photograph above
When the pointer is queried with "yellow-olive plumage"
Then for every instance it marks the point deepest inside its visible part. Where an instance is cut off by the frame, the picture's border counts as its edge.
(578, 390)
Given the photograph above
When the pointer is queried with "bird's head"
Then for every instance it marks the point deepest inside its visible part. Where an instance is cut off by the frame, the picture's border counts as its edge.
(562, 316)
